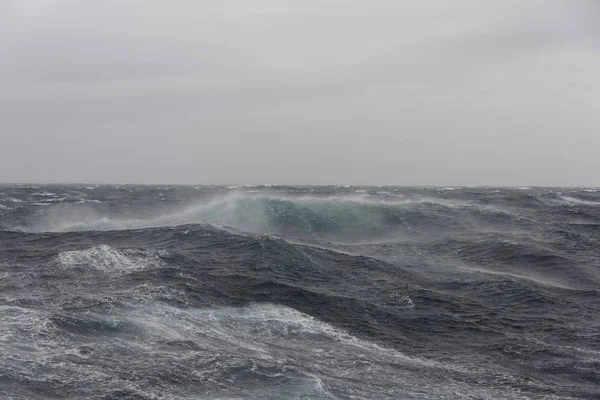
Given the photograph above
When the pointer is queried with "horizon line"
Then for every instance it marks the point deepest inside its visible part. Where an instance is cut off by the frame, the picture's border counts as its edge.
(341, 185)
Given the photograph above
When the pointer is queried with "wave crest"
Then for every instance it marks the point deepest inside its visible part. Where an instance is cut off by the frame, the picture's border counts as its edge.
(352, 217)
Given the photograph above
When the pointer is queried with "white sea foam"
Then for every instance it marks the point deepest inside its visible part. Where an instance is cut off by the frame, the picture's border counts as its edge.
(573, 200)
(107, 259)
(44, 194)
(84, 201)
(263, 329)
(281, 336)
(385, 193)
(270, 341)
(55, 200)
(21, 324)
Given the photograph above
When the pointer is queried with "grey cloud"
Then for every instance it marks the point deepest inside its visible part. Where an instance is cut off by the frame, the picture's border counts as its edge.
(498, 92)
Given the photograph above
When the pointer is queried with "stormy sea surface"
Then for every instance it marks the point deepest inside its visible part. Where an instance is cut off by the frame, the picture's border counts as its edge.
(269, 292)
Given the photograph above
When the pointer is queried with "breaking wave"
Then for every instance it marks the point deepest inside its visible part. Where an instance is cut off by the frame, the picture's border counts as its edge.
(345, 218)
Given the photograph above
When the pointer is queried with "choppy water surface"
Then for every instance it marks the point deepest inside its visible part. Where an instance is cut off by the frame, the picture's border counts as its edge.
(148, 292)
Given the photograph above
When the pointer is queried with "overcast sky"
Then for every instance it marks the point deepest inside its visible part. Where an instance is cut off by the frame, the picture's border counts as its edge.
(496, 92)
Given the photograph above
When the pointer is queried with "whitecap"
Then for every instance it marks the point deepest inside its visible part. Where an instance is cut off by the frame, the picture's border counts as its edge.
(44, 194)
(84, 201)
(385, 193)
(107, 259)
(573, 200)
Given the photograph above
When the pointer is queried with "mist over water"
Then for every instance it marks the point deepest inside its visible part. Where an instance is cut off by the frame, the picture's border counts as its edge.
(143, 292)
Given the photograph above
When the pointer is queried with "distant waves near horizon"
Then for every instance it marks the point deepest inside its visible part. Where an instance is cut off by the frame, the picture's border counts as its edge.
(297, 292)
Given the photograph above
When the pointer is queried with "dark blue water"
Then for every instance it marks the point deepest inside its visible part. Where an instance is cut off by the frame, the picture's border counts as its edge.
(138, 292)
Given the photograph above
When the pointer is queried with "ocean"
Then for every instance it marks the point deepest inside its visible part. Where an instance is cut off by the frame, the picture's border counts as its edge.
(281, 292)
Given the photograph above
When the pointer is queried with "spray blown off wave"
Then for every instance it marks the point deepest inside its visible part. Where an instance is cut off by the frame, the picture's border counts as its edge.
(134, 292)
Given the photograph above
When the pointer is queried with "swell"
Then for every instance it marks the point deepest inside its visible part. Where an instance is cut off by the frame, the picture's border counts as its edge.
(547, 260)
(207, 266)
(166, 284)
(349, 218)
